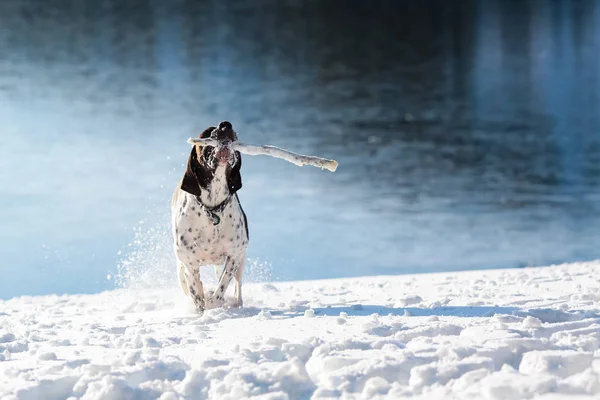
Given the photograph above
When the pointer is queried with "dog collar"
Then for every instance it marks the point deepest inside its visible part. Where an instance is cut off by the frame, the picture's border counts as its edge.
(211, 212)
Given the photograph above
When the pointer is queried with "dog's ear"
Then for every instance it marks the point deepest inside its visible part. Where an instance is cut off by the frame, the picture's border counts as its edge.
(195, 175)
(234, 182)
(207, 132)
(190, 182)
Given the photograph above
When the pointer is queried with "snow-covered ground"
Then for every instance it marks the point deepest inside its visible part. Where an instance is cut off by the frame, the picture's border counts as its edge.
(502, 334)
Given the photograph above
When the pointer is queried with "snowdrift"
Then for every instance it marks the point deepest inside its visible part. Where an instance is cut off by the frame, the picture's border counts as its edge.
(502, 334)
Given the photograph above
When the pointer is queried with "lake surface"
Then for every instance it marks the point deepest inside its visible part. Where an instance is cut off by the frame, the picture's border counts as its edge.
(468, 134)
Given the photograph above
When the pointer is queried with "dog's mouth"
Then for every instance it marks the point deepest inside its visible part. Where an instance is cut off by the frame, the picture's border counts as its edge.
(224, 155)
(219, 156)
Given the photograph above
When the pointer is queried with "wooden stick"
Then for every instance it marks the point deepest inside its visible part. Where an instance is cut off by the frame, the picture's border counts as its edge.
(258, 150)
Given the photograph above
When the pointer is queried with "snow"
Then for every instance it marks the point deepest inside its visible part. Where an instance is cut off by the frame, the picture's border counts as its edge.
(502, 334)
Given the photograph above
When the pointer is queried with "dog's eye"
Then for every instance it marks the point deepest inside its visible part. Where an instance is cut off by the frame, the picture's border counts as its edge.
(207, 150)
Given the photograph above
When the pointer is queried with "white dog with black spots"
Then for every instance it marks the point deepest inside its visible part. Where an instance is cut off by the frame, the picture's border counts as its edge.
(209, 224)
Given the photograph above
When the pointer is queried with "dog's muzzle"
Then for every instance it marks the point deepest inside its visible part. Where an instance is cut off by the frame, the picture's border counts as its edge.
(224, 153)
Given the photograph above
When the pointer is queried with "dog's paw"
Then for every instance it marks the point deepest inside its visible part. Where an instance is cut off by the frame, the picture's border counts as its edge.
(237, 303)
(213, 301)
(199, 304)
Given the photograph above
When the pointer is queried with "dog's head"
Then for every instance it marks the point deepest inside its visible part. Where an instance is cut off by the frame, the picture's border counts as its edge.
(205, 160)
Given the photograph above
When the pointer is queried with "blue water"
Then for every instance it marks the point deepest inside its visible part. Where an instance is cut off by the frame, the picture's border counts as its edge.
(467, 134)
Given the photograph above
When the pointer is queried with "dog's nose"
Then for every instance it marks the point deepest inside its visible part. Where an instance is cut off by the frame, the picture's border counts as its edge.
(225, 126)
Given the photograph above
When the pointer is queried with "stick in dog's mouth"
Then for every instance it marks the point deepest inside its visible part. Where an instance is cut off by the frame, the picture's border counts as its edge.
(257, 150)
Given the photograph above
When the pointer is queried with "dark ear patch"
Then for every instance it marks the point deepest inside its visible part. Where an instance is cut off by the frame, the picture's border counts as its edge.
(234, 182)
(206, 133)
(190, 182)
(195, 175)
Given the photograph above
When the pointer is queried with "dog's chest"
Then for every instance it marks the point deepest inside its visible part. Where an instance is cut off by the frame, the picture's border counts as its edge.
(217, 191)
(198, 240)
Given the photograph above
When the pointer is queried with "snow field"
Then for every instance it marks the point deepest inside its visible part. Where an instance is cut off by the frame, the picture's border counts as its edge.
(502, 334)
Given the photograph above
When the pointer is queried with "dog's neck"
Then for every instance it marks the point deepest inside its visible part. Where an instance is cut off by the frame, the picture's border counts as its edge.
(217, 191)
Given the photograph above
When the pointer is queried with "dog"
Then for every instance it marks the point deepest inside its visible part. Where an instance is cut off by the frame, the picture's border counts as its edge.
(208, 222)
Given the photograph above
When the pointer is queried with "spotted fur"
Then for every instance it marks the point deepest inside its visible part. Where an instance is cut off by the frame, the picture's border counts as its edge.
(197, 239)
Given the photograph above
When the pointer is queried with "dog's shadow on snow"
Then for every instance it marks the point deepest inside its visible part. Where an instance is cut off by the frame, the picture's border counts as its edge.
(543, 314)
(547, 315)
(455, 311)
(366, 310)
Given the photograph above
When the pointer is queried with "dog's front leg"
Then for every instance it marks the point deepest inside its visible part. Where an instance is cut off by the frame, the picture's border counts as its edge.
(232, 265)
(239, 303)
(195, 288)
